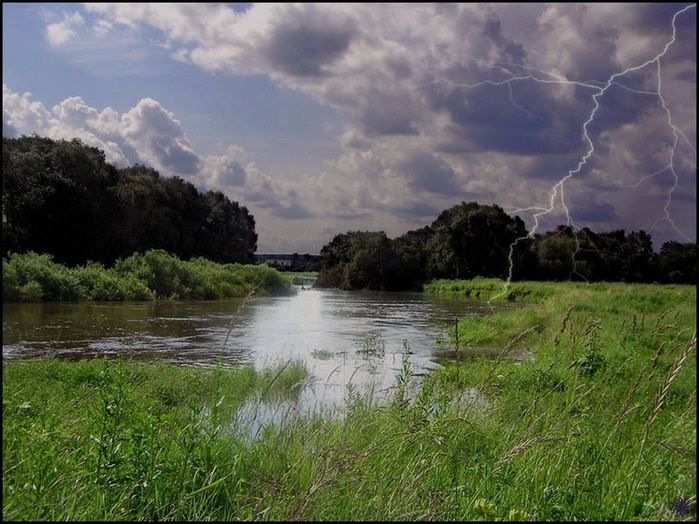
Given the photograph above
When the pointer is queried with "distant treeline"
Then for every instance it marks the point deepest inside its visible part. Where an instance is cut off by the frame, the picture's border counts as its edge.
(62, 198)
(471, 240)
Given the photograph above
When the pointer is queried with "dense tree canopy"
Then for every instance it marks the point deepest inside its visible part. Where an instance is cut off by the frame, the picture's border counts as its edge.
(63, 198)
(471, 239)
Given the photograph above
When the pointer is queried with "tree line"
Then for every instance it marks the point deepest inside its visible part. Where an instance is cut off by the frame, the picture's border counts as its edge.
(471, 240)
(63, 198)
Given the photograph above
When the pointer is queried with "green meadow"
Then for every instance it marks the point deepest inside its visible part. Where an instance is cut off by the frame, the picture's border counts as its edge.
(598, 422)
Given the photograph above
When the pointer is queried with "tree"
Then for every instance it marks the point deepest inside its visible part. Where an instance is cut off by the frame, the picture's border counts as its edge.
(187, 212)
(52, 197)
(678, 262)
(472, 240)
(228, 233)
(556, 254)
(373, 263)
(144, 218)
(412, 251)
(638, 258)
(334, 257)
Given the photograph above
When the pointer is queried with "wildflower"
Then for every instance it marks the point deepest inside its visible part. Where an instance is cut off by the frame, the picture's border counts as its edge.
(683, 505)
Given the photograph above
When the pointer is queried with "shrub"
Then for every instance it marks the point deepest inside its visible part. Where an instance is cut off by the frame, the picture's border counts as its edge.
(56, 281)
(152, 275)
(10, 283)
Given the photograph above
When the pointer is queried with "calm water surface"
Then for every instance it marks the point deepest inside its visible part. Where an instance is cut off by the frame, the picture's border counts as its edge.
(326, 329)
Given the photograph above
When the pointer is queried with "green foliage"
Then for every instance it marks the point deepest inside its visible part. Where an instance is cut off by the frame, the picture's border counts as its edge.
(106, 284)
(152, 275)
(53, 197)
(679, 262)
(335, 256)
(33, 276)
(490, 289)
(10, 283)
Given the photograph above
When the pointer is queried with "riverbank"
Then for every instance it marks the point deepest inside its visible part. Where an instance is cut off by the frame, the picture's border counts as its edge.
(600, 424)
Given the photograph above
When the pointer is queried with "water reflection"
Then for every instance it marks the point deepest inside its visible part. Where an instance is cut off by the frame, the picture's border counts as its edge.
(326, 329)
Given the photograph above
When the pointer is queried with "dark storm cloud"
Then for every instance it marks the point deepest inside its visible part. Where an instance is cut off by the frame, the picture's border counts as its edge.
(513, 119)
(549, 167)
(620, 106)
(510, 51)
(587, 210)
(426, 172)
(308, 43)
(423, 212)
(387, 113)
(653, 16)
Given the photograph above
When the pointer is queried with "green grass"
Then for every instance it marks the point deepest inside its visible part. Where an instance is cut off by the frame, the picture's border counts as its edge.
(118, 440)
(599, 425)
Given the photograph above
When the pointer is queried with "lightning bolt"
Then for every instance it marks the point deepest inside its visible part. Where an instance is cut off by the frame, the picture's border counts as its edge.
(557, 190)
(599, 89)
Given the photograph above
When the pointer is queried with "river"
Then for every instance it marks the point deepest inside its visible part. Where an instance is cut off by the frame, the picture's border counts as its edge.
(343, 337)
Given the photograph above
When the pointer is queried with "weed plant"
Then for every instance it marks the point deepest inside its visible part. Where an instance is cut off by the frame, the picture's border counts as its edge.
(373, 345)
(599, 426)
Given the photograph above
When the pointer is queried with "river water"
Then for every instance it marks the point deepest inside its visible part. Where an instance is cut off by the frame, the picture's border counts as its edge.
(343, 337)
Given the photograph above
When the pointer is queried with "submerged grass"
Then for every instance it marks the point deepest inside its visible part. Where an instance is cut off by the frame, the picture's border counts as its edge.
(599, 425)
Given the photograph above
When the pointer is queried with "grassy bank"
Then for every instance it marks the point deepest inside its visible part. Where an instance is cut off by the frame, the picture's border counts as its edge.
(302, 278)
(599, 425)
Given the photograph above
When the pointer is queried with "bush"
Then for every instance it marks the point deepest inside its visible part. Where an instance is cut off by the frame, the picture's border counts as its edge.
(152, 275)
(10, 283)
(99, 283)
(55, 281)
(31, 292)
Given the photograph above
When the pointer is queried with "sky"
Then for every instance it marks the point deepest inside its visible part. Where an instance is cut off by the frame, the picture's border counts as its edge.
(328, 118)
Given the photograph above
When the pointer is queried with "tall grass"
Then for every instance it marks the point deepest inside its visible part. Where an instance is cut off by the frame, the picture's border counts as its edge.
(599, 425)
